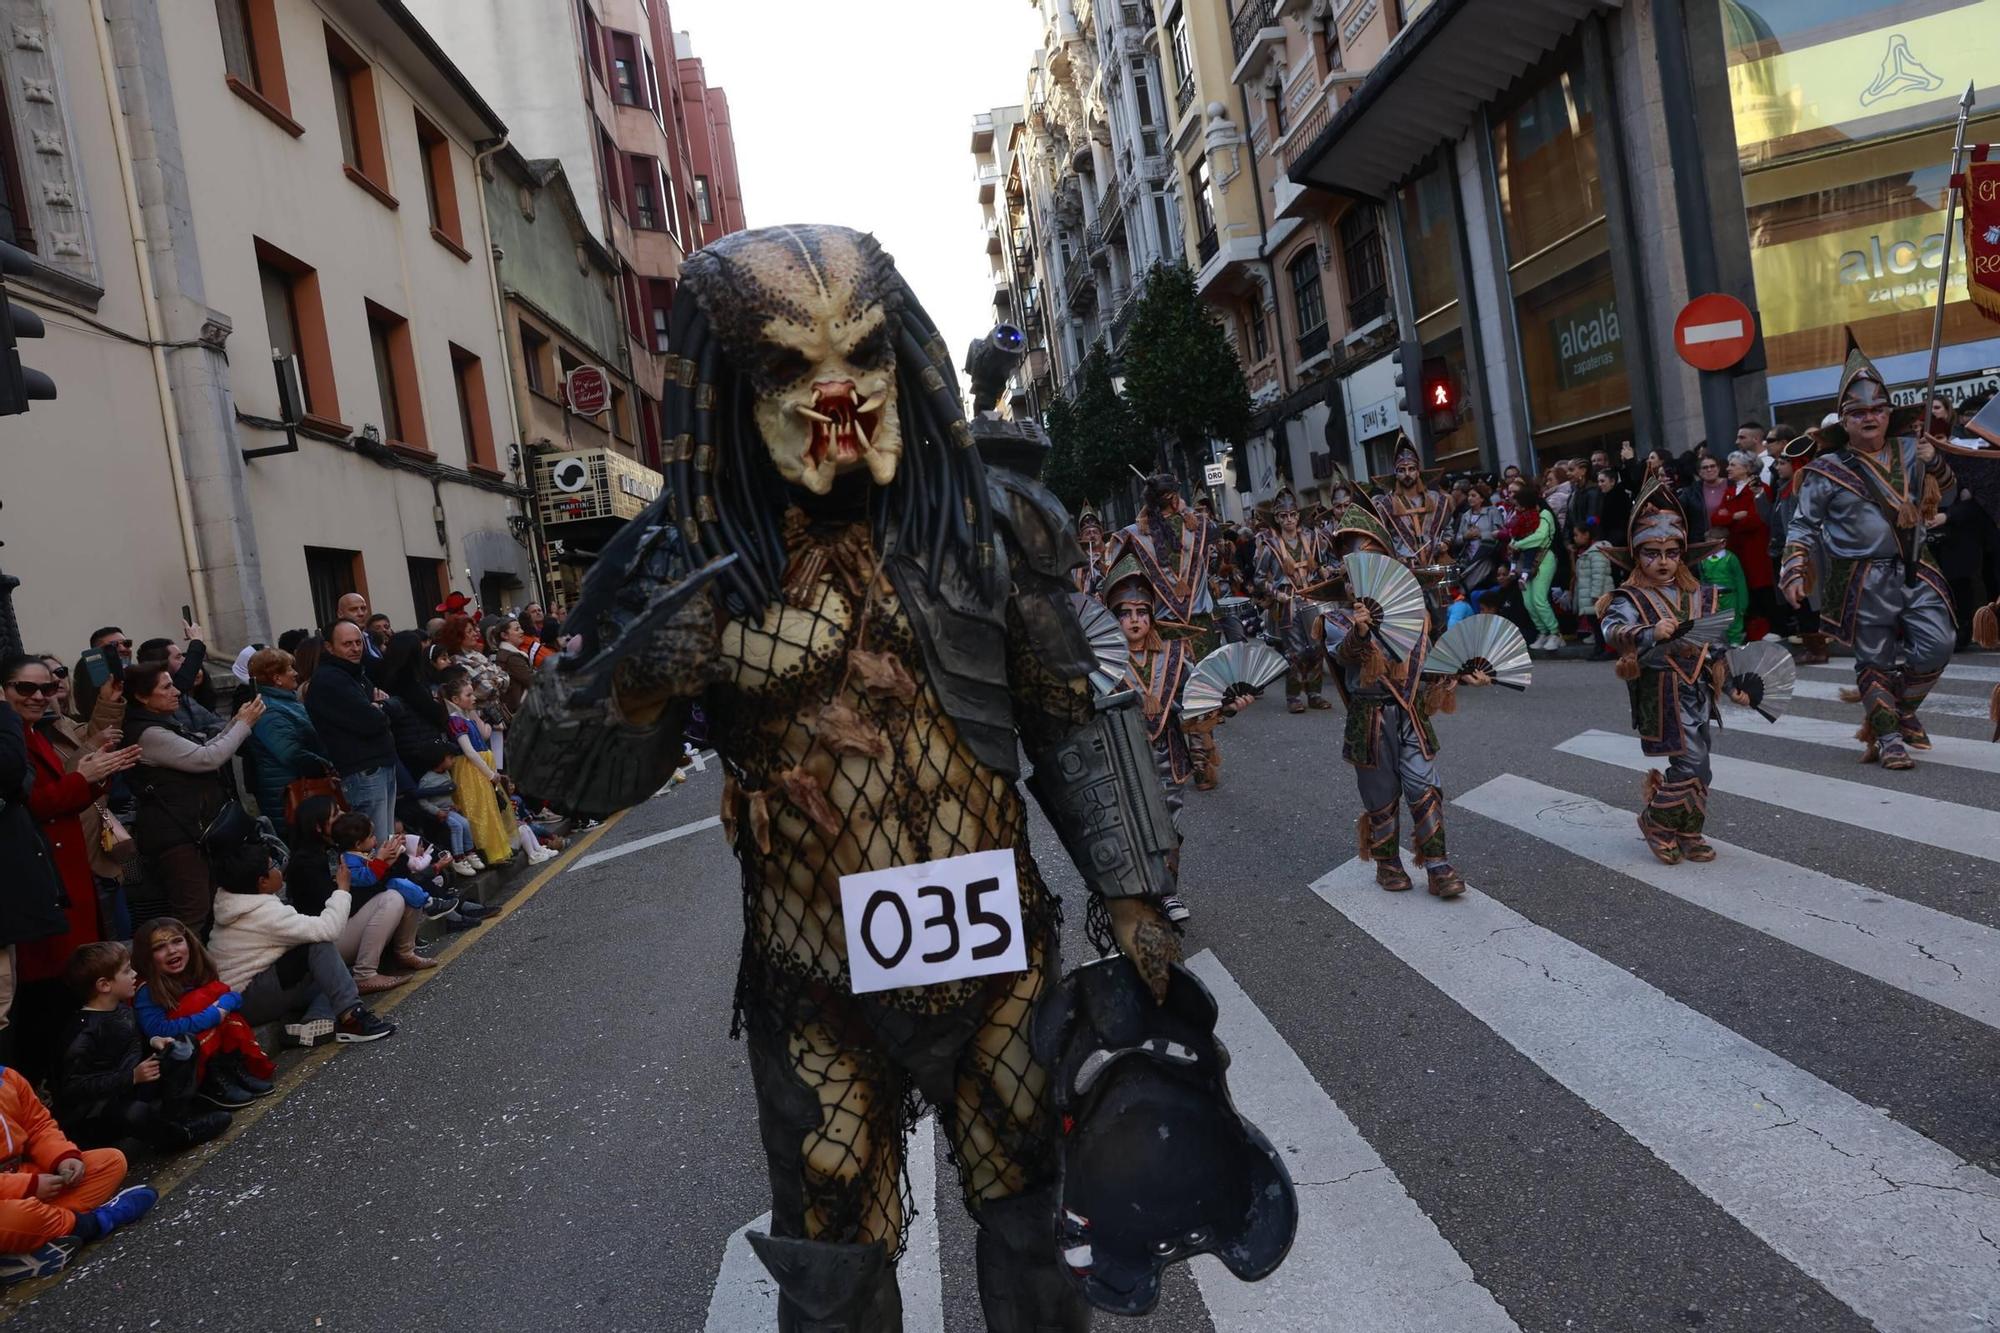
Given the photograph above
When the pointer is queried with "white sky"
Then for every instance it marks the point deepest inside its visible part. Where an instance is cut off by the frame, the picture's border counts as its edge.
(860, 114)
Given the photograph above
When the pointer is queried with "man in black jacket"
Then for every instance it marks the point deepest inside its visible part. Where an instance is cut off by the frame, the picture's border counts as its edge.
(31, 892)
(347, 711)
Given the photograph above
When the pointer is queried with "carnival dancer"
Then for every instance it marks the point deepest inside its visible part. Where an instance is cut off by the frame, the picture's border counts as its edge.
(1856, 520)
(1390, 739)
(877, 623)
(1673, 681)
(1291, 567)
(1089, 535)
(1173, 543)
(1417, 514)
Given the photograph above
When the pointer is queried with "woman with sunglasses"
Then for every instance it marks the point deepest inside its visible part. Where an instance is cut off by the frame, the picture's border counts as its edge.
(56, 798)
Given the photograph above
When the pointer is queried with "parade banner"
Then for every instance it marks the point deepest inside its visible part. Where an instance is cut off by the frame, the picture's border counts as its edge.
(1982, 231)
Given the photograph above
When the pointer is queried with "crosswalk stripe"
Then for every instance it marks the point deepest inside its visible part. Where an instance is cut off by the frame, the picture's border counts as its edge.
(1887, 1221)
(1939, 704)
(1366, 1258)
(745, 1299)
(650, 840)
(1956, 671)
(1939, 957)
(1951, 751)
(1879, 809)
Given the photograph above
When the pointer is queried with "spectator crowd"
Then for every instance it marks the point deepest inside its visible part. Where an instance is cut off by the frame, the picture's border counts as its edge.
(201, 847)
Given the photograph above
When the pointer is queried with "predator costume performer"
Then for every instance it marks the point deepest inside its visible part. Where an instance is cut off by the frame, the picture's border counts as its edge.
(1673, 701)
(1292, 566)
(873, 619)
(1390, 740)
(1856, 518)
(1417, 515)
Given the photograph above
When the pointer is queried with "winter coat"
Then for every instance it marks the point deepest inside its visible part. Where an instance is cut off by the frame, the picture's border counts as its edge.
(181, 783)
(56, 799)
(31, 892)
(95, 1078)
(283, 747)
(342, 706)
(1594, 578)
(253, 929)
(1745, 514)
(422, 739)
(309, 882)
(72, 741)
(520, 675)
(31, 1143)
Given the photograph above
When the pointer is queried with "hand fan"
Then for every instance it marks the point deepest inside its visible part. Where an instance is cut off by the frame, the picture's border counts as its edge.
(1107, 643)
(1392, 595)
(1764, 671)
(1483, 643)
(1230, 671)
(1712, 631)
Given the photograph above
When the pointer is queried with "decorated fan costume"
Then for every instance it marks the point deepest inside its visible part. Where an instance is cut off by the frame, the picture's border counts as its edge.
(873, 620)
(1855, 519)
(1673, 701)
(1417, 515)
(1292, 561)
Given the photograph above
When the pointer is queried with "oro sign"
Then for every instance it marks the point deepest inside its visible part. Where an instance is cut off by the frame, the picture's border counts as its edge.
(588, 389)
(1714, 332)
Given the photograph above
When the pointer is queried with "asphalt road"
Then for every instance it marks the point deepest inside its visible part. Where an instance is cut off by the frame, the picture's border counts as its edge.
(1590, 1096)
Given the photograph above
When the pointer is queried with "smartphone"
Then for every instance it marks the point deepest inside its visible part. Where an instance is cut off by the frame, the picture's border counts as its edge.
(187, 614)
(95, 669)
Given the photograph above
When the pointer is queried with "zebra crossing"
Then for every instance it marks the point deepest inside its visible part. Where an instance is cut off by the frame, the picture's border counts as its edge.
(1896, 1230)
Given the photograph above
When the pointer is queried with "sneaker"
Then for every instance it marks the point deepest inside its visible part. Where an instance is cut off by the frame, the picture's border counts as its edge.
(309, 1032)
(358, 1025)
(464, 869)
(474, 911)
(473, 859)
(250, 1083)
(459, 921)
(438, 907)
(45, 1261)
(126, 1207)
(199, 1128)
(223, 1095)
(1175, 909)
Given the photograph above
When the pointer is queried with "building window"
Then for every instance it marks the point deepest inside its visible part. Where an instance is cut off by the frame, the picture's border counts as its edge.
(1183, 65)
(331, 574)
(1367, 274)
(621, 426)
(1142, 94)
(356, 117)
(475, 422)
(593, 39)
(427, 586)
(295, 320)
(535, 360)
(627, 83)
(396, 377)
(1281, 121)
(614, 176)
(441, 187)
(653, 89)
(253, 62)
(1545, 162)
(1308, 302)
(1260, 334)
(1203, 206)
(646, 210)
(635, 317)
(702, 206)
(662, 293)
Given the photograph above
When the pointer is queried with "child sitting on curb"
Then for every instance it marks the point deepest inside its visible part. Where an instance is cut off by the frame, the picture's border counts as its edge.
(183, 997)
(54, 1196)
(353, 835)
(116, 1082)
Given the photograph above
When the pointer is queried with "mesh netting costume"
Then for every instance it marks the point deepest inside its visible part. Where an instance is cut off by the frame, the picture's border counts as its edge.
(895, 621)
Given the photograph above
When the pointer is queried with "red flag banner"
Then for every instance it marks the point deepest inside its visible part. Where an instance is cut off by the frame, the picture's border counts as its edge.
(1982, 232)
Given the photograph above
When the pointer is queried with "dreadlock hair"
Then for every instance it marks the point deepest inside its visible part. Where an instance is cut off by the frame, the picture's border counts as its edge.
(724, 495)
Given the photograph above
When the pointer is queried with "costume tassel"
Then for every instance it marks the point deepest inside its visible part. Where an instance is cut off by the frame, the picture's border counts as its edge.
(1602, 605)
(1441, 698)
(1651, 786)
(1986, 626)
(1374, 666)
(1628, 666)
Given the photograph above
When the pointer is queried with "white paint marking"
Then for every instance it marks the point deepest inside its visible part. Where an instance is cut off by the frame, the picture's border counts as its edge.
(651, 840)
(1977, 674)
(1886, 1220)
(1963, 829)
(1366, 1259)
(1938, 704)
(1934, 955)
(745, 1299)
(1951, 751)
(1721, 331)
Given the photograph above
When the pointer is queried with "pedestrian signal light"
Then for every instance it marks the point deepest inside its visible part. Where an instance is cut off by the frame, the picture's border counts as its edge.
(19, 384)
(1440, 395)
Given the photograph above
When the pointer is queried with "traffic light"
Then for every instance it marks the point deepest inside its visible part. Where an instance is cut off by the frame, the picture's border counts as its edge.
(1440, 396)
(1402, 354)
(19, 384)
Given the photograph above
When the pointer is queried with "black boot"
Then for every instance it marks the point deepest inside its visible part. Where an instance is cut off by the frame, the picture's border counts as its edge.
(829, 1288)
(1022, 1285)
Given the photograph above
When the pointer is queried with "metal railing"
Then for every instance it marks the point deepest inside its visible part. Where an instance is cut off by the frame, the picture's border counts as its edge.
(1306, 131)
(1206, 245)
(1243, 29)
(1111, 204)
(1183, 94)
(1369, 308)
(1312, 343)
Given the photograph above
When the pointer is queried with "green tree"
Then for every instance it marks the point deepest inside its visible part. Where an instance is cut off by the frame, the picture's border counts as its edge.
(1095, 440)
(1181, 373)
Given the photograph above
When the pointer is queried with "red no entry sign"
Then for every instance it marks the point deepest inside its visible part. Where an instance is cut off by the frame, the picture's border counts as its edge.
(589, 390)
(1714, 332)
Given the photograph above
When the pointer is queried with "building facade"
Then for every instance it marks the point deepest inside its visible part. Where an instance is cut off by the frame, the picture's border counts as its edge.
(301, 181)
(715, 192)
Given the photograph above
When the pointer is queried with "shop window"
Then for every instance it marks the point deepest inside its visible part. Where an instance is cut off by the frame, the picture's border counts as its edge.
(396, 377)
(331, 574)
(535, 359)
(1545, 158)
(1308, 302)
(253, 61)
(440, 187)
(357, 118)
(1363, 260)
(475, 421)
(1573, 356)
(295, 319)
(1430, 234)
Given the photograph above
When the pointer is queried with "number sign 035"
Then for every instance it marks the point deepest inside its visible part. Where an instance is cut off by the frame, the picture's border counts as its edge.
(939, 921)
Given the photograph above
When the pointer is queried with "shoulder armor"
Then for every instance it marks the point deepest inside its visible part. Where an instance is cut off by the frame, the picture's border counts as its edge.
(1037, 526)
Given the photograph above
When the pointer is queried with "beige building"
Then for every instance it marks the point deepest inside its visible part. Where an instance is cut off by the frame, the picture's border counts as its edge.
(302, 179)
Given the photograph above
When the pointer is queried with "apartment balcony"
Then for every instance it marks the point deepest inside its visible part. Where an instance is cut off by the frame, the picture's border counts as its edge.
(993, 238)
(1206, 245)
(1312, 343)
(1369, 308)
(1124, 305)
(1183, 98)
(1082, 291)
(1253, 33)
(989, 177)
(1291, 9)
(1111, 206)
(1306, 132)
(982, 133)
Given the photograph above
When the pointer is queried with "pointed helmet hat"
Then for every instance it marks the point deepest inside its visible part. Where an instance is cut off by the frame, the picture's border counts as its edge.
(1860, 382)
(1657, 516)
(1126, 581)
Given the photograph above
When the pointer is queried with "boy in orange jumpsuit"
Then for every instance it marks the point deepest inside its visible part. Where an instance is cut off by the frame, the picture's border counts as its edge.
(53, 1195)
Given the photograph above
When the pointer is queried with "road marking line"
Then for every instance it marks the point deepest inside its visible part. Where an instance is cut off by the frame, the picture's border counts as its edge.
(1938, 704)
(1933, 955)
(1951, 751)
(745, 1299)
(1883, 1218)
(650, 840)
(1696, 334)
(1366, 1257)
(1983, 675)
(1879, 809)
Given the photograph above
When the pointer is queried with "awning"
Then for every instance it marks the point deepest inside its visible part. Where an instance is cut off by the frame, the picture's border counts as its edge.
(1429, 85)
